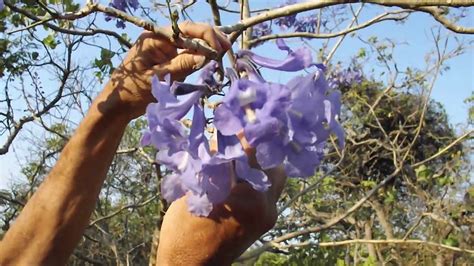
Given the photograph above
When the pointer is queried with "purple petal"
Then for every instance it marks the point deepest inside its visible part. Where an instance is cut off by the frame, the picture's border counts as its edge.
(226, 122)
(171, 188)
(181, 88)
(264, 130)
(161, 91)
(190, 176)
(207, 72)
(295, 61)
(327, 111)
(217, 182)
(196, 136)
(270, 154)
(199, 204)
(282, 45)
(256, 178)
(335, 99)
(229, 147)
(301, 162)
(177, 110)
(146, 139)
(171, 135)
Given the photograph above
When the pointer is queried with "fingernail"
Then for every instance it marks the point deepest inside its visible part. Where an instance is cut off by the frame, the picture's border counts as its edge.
(199, 61)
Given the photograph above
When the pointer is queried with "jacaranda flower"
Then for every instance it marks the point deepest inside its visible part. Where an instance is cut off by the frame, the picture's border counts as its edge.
(122, 5)
(295, 61)
(288, 124)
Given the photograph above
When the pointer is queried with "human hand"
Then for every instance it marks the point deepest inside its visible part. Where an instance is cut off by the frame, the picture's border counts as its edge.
(130, 83)
(231, 227)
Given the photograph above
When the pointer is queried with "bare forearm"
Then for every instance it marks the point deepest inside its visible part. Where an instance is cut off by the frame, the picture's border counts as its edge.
(63, 203)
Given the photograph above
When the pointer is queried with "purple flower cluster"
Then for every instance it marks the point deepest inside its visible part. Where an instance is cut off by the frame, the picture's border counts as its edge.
(261, 29)
(288, 21)
(304, 24)
(122, 5)
(288, 124)
(345, 78)
(206, 177)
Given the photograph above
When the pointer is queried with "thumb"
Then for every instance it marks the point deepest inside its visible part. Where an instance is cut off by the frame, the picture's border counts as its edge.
(181, 66)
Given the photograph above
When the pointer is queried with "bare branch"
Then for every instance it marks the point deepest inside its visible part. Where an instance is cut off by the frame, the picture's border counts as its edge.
(437, 14)
(19, 125)
(383, 242)
(341, 39)
(130, 206)
(383, 17)
(44, 21)
(443, 150)
(274, 243)
(305, 6)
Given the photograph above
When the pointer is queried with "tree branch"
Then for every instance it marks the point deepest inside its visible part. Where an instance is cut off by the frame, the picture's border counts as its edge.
(305, 6)
(437, 14)
(18, 126)
(381, 242)
(443, 150)
(274, 243)
(44, 21)
(135, 205)
(383, 17)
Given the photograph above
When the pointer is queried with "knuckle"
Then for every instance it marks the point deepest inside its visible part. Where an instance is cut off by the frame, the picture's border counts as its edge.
(184, 63)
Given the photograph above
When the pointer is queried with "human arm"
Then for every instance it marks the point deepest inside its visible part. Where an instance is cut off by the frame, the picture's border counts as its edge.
(54, 219)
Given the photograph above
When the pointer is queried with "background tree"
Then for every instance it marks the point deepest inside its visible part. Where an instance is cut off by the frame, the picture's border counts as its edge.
(399, 193)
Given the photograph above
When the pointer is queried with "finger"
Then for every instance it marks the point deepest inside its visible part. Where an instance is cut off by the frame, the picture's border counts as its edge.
(149, 41)
(202, 31)
(180, 66)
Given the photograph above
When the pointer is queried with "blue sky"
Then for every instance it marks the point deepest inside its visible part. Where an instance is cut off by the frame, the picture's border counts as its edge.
(450, 89)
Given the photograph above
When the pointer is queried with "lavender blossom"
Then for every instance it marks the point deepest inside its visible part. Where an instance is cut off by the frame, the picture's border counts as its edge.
(306, 24)
(261, 29)
(203, 176)
(345, 78)
(122, 5)
(287, 21)
(295, 61)
(288, 124)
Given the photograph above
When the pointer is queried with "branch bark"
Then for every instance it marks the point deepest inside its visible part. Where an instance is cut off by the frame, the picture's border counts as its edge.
(387, 16)
(385, 242)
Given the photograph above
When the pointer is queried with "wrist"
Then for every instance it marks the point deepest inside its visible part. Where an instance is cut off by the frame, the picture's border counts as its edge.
(119, 99)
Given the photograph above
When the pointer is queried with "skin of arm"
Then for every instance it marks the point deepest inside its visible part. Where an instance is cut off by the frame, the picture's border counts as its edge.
(54, 219)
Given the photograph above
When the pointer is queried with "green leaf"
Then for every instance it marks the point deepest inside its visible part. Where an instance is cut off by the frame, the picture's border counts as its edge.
(368, 183)
(340, 262)
(362, 53)
(422, 173)
(450, 241)
(50, 41)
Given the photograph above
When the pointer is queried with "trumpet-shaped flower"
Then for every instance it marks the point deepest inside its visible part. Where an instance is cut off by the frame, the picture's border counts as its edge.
(295, 60)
